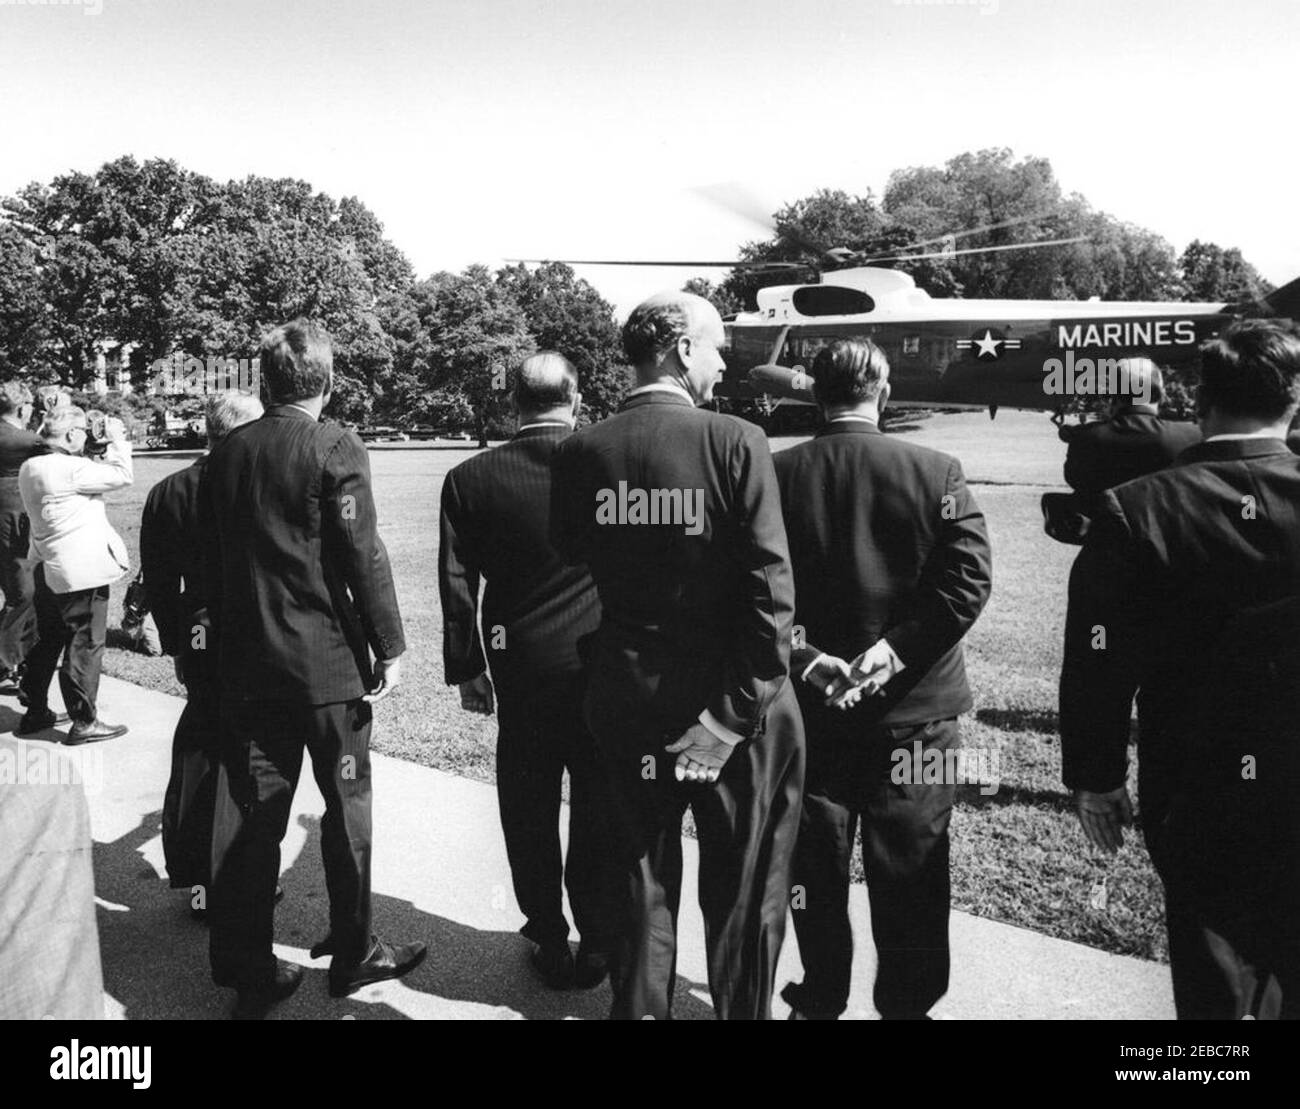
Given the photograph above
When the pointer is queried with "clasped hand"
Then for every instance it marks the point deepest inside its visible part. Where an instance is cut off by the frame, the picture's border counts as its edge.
(844, 684)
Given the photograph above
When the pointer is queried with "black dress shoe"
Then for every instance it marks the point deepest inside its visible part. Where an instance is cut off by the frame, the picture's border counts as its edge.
(253, 1004)
(554, 965)
(383, 961)
(590, 968)
(94, 732)
(39, 721)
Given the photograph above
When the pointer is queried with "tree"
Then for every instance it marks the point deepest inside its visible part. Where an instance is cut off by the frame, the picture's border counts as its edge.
(457, 339)
(23, 321)
(566, 314)
(1211, 273)
(719, 296)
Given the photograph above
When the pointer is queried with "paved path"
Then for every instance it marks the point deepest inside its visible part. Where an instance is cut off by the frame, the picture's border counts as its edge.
(440, 875)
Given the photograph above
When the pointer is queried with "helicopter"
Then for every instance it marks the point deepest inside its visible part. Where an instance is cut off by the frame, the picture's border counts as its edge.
(950, 352)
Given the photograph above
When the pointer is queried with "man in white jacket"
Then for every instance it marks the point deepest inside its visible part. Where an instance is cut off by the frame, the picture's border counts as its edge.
(78, 555)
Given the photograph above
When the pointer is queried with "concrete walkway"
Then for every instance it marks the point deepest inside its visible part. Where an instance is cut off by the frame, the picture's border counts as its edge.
(440, 875)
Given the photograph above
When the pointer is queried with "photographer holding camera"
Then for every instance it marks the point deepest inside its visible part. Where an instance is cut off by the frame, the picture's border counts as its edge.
(79, 555)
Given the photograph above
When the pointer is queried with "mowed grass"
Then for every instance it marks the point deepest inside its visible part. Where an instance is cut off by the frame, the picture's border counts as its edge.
(1017, 855)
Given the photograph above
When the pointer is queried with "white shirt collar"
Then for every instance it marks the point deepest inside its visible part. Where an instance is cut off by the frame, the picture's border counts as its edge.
(1243, 435)
(865, 419)
(302, 409)
(543, 423)
(662, 387)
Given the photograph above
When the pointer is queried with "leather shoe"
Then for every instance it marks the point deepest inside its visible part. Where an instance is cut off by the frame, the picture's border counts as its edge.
(94, 732)
(253, 1004)
(39, 721)
(382, 961)
(554, 965)
(590, 968)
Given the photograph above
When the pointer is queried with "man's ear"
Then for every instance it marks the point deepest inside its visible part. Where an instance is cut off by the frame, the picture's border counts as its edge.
(577, 405)
(883, 399)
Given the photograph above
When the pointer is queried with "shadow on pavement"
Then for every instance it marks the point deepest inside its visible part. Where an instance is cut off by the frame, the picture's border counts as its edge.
(155, 956)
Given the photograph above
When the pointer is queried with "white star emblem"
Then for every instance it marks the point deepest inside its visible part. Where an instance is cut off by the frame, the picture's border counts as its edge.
(988, 345)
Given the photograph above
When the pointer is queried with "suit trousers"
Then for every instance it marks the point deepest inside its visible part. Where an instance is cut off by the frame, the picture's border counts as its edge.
(75, 626)
(190, 801)
(904, 855)
(262, 745)
(541, 736)
(746, 825)
(18, 617)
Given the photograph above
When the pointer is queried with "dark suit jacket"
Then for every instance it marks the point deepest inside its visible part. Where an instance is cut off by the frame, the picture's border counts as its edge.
(1193, 576)
(300, 586)
(495, 524)
(886, 542)
(16, 447)
(172, 560)
(688, 621)
(1129, 445)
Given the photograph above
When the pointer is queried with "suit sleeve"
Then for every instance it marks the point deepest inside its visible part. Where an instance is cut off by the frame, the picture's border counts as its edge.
(1098, 677)
(955, 581)
(458, 582)
(758, 661)
(160, 559)
(90, 477)
(350, 528)
(570, 524)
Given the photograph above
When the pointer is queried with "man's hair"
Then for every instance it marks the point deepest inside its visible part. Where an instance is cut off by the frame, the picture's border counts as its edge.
(13, 395)
(1143, 380)
(226, 411)
(656, 324)
(1252, 370)
(546, 380)
(59, 421)
(849, 371)
(296, 362)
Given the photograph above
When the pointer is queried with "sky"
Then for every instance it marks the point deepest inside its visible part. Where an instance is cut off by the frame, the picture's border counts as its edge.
(481, 130)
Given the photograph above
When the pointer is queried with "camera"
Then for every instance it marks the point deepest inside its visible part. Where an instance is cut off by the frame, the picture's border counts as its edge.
(96, 432)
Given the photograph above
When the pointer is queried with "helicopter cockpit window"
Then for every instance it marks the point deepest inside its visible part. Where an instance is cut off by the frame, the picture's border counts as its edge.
(831, 300)
(911, 344)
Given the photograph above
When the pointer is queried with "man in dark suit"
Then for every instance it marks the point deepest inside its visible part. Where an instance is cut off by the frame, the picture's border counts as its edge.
(300, 593)
(675, 510)
(172, 561)
(17, 445)
(1134, 441)
(496, 510)
(1187, 593)
(892, 567)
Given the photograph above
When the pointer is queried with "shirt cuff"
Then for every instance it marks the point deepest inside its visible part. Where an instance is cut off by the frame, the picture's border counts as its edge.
(719, 729)
(811, 666)
(894, 660)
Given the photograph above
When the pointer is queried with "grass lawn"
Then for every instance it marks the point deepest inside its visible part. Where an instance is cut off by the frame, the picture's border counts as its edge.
(1018, 854)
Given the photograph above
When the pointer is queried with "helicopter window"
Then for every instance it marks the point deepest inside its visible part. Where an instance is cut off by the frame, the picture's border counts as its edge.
(911, 344)
(831, 300)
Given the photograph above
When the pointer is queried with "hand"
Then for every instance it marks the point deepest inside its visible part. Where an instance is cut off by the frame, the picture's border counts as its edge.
(872, 669)
(700, 755)
(833, 678)
(388, 674)
(1103, 816)
(114, 430)
(476, 695)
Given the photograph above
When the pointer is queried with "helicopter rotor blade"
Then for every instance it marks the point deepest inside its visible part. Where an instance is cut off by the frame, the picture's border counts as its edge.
(737, 200)
(974, 250)
(982, 228)
(730, 264)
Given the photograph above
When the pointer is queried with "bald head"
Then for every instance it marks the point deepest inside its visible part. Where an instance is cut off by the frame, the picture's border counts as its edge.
(227, 411)
(1139, 382)
(546, 384)
(676, 336)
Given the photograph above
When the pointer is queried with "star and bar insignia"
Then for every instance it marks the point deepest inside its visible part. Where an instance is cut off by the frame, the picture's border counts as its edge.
(989, 345)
